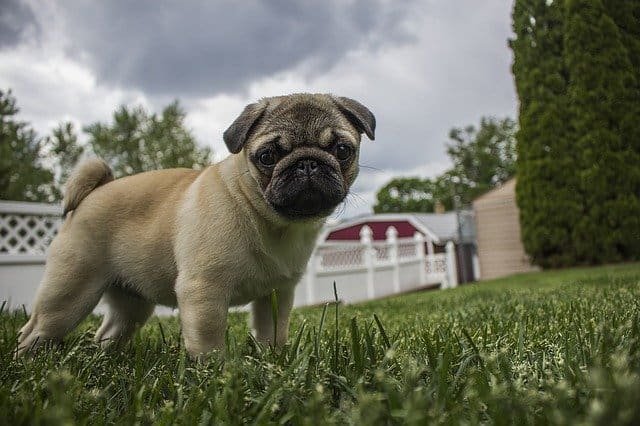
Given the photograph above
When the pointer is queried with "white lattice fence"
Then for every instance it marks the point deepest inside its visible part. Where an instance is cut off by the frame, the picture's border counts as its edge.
(407, 249)
(382, 250)
(340, 256)
(26, 229)
(436, 265)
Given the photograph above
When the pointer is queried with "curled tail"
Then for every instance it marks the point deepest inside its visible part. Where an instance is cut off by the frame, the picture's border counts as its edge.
(87, 176)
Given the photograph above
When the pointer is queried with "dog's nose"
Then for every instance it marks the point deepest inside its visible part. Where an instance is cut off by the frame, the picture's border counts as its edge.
(307, 167)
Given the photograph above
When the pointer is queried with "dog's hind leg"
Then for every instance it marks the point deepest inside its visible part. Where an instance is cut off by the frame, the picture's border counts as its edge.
(67, 294)
(125, 313)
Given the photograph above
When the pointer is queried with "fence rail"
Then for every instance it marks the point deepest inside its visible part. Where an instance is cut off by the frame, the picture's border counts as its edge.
(362, 270)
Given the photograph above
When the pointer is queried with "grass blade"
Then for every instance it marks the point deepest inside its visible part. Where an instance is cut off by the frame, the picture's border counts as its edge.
(319, 334)
(356, 349)
(274, 315)
(382, 331)
(337, 330)
(296, 342)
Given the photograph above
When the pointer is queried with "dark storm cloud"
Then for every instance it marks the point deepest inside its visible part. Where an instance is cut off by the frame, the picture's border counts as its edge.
(16, 22)
(422, 67)
(203, 47)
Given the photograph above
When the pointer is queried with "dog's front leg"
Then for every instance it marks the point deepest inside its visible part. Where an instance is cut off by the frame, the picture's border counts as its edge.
(203, 306)
(263, 321)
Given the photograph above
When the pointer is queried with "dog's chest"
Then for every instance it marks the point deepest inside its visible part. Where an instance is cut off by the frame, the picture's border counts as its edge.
(272, 263)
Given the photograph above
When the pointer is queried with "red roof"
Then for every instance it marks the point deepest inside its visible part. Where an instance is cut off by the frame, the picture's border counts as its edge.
(404, 228)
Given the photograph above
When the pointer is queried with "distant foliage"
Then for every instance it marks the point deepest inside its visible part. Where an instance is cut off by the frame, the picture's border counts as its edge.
(482, 157)
(409, 195)
(23, 177)
(34, 168)
(64, 152)
(137, 141)
(577, 73)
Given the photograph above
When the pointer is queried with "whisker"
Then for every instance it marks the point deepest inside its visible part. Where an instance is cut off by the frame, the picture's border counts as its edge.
(369, 167)
(342, 208)
(356, 196)
(351, 200)
(340, 212)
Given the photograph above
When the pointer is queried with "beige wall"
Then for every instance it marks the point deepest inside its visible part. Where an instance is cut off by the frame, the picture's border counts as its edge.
(500, 249)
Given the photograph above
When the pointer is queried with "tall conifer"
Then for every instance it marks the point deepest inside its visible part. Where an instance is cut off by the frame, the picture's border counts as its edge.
(547, 186)
(604, 101)
(577, 74)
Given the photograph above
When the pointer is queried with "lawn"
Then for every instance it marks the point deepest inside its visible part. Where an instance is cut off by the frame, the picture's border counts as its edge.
(555, 347)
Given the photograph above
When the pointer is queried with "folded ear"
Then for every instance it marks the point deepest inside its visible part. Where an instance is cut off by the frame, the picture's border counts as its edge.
(237, 134)
(358, 114)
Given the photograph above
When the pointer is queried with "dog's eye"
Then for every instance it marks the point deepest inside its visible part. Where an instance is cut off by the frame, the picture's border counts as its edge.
(343, 151)
(267, 158)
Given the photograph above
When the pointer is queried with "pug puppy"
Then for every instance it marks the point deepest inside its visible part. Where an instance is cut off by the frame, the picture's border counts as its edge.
(203, 240)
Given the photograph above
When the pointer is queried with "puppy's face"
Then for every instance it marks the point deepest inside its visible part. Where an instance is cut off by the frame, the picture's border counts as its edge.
(302, 150)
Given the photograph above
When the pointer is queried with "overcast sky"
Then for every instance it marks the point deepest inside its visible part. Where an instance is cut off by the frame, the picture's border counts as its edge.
(422, 67)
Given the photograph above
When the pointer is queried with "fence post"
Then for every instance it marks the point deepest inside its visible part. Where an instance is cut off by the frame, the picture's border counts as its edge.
(476, 267)
(430, 255)
(452, 274)
(429, 246)
(311, 277)
(419, 242)
(366, 238)
(392, 242)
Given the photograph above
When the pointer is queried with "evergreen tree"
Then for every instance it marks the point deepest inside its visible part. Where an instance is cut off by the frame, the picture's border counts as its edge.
(136, 141)
(22, 175)
(64, 152)
(576, 68)
(547, 188)
(626, 15)
(605, 102)
(34, 169)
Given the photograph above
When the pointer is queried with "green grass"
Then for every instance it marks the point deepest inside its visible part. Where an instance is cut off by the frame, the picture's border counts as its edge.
(560, 347)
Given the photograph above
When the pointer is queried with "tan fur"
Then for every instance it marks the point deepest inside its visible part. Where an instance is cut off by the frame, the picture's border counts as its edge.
(85, 178)
(200, 240)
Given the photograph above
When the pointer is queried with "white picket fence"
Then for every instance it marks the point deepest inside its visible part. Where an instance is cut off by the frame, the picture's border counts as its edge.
(366, 269)
(362, 270)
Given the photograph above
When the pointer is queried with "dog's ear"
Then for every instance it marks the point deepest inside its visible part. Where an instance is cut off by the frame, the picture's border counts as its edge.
(358, 114)
(237, 134)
